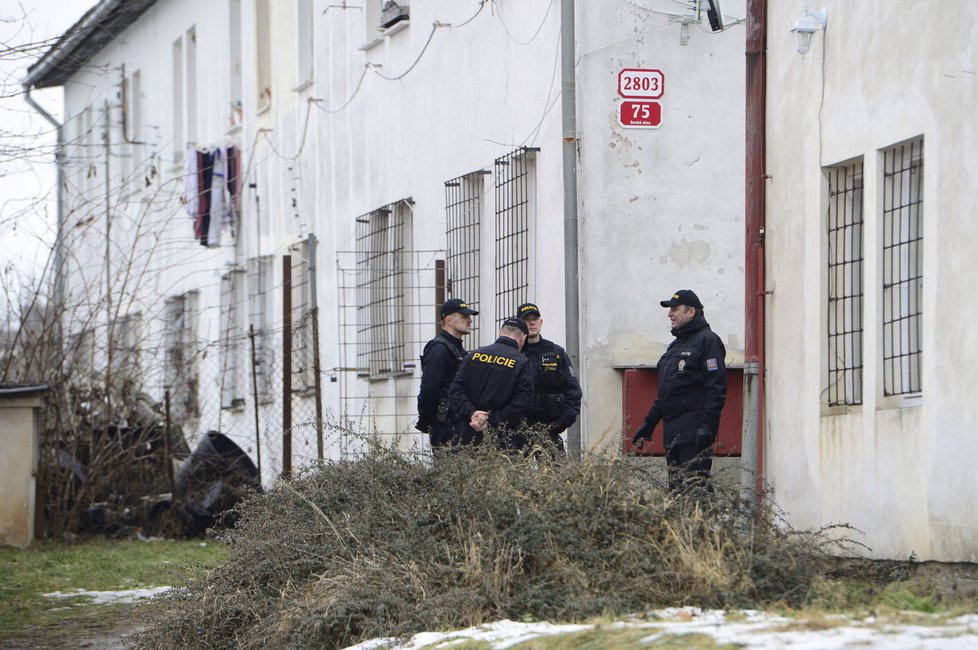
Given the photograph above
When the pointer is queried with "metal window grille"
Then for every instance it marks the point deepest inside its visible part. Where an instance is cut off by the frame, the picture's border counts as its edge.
(381, 304)
(515, 185)
(259, 293)
(359, 407)
(303, 370)
(181, 373)
(903, 171)
(463, 221)
(232, 385)
(844, 230)
(125, 341)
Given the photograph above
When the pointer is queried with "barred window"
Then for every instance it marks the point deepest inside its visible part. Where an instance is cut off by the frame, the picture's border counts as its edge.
(259, 308)
(232, 385)
(381, 289)
(902, 261)
(303, 370)
(463, 221)
(844, 231)
(181, 374)
(125, 340)
(515, 214)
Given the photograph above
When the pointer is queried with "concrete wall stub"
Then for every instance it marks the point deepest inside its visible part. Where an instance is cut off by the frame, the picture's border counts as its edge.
(18, 468)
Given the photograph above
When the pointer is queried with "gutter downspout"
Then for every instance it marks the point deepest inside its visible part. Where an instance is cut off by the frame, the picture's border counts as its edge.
(59, 209)
(754, 219)
(568, 109)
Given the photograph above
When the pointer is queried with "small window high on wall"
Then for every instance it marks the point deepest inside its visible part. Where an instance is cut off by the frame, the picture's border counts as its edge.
(263, 36)
(902, 266)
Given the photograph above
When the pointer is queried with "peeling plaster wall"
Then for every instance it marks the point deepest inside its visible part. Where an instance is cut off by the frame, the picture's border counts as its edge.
(899, 470)
(660, 209)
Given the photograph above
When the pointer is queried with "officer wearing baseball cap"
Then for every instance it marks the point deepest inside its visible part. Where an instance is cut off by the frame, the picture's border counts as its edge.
(439, 363)
(494, 386)
(557, 392)
(692, 392)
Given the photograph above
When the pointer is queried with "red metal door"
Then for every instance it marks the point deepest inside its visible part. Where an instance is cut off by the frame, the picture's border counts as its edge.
(639, 389)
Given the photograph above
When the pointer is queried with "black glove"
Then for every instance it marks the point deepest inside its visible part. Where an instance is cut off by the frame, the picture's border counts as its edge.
(643, 433)
(704, 438)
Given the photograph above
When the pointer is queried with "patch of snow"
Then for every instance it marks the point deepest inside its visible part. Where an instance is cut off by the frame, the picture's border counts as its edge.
(110, 597)
(745, 629)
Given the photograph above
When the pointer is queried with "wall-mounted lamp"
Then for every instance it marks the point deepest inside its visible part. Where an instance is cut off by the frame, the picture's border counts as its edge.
(806, 27)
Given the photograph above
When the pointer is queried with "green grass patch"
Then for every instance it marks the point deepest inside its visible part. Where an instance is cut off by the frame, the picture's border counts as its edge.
(92, 565)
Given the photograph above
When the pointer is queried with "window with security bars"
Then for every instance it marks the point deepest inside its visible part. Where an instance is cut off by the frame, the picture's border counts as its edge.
(844, 235)
(463, 221)
(181, 374)
(232, 340)
(303, 370)
(126, 333)
(259, 308)
(515, 212)
(902, 266)
(382, 241)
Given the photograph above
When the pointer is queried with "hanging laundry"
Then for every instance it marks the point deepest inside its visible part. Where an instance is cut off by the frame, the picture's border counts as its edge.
(191, 201)
(205, 176)
(233, 183)
(218, 202)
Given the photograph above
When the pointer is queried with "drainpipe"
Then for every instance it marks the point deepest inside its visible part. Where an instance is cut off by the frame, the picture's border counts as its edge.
(568, 109)
(59, 208)
(756, 175)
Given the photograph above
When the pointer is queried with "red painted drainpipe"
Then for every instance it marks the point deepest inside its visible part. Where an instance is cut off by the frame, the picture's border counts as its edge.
(756, 176)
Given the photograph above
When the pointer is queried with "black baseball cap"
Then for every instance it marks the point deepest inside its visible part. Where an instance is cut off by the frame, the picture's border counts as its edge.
(682, 297)
(456, 305)
(526, 309)
(517, 323)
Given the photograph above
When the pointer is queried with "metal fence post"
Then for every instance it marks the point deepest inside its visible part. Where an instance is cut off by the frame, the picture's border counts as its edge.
(254, 393)
(286, 366)
(317, 379)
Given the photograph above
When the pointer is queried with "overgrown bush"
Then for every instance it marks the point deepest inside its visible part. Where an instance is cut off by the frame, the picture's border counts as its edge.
(390, 545)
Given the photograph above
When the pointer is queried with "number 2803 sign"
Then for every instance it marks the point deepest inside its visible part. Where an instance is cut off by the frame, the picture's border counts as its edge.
(636, 83)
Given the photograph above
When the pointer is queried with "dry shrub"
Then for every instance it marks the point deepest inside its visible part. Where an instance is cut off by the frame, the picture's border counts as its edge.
(390, 545)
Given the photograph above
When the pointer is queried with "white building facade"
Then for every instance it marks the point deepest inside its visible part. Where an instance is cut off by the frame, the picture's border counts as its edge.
(870, 409)
(395, 167)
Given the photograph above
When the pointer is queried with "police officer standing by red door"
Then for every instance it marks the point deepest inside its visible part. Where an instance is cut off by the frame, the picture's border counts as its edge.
(557, 392)
(692, 392)
(439, 362)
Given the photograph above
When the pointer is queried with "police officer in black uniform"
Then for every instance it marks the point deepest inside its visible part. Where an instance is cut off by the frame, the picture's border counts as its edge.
(692, 391)
(439, 362)
(557, 392)
(494, 386)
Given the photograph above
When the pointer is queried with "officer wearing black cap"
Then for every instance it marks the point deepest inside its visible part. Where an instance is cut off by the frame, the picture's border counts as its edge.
(557, 392)
(692, 391)
(439, 362)
(494, 385)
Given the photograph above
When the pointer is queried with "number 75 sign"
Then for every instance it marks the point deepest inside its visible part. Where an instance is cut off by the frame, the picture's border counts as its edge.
(639, 87)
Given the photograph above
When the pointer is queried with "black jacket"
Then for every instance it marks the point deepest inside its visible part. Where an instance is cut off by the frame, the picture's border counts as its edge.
(439, 362)
(495, 378)
(692, 384)
(557, 400)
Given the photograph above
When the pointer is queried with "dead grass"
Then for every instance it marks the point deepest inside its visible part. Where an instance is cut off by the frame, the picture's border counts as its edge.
(388, 545)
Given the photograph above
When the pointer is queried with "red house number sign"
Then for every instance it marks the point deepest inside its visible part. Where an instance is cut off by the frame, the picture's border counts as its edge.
(640, 87)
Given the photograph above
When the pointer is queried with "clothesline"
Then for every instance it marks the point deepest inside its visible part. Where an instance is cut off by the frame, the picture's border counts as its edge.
(212, 192)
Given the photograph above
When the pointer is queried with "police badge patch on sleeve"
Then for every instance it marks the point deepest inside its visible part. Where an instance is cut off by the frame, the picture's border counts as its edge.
(711, 364)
